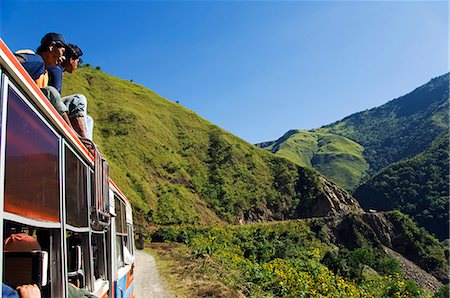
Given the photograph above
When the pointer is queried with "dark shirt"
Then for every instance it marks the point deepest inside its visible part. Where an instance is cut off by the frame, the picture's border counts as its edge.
(33, 64)
(55, 74)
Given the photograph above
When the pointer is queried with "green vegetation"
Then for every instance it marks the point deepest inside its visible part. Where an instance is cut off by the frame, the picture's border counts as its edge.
(187, 179)
(338, 158)
(289, 259)
(175, 167)
(417, 186)
(370, 140)
(419, 246)
(402, 127)
(399, 154)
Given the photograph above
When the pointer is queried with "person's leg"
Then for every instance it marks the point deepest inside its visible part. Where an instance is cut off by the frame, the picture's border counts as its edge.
(55, 99)
(76, 105)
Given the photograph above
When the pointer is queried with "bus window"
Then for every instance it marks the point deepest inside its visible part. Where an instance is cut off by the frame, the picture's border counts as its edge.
(31, 164)
(98, 255)
(121, 231)
(78, 269)
(130, 241)
(76, 190)
(49, 240)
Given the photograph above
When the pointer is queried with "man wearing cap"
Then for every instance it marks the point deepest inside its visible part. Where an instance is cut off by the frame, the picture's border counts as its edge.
(76, 103)
(49, 53)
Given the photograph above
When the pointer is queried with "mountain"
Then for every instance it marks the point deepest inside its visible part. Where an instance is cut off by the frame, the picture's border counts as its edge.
(176, 167)
(191, 182)
(400, 128)
(394, 131)
(418, 186)
(338, 158)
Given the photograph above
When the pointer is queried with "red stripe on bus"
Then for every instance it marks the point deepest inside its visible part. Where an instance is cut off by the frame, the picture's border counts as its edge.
(130, 279)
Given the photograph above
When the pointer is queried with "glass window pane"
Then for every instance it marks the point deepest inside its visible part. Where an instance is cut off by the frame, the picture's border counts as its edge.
(32, 170)
(98, 254)
(119, 252)
(118, 211)
(76, 190)
(124, 218)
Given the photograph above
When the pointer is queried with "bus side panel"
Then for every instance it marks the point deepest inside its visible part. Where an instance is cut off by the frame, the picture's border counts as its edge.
(125, 285)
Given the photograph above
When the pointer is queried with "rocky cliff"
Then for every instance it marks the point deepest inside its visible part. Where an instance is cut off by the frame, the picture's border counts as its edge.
(397, 235)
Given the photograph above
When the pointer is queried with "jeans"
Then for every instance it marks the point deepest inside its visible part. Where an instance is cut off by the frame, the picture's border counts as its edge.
(77, 107)
(74, 105)
(55, 99)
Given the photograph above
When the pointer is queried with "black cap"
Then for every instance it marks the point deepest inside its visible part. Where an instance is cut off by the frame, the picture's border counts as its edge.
(50, 37)
(73, 51)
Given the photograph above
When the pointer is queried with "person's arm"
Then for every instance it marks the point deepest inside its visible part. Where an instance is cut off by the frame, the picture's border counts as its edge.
(29, 291)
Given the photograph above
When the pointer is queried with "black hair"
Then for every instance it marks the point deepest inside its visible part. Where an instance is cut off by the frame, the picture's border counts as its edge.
(73, 51)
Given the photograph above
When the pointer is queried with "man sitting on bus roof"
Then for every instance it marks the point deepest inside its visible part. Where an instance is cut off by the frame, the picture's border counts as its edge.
(49, 53)
(77, 103)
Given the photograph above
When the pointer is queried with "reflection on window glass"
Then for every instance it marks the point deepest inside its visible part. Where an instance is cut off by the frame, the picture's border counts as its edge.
(119, 252)
(76, 190)
(31, 164)
(98, 254)
(119, 214)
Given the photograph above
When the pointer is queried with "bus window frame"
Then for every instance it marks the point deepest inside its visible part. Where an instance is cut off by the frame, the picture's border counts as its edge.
(122, 209)
(3, 95)
(7, 215)
(98, 283)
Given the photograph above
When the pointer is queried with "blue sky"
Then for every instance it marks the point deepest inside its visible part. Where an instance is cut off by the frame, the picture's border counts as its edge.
(255, 68)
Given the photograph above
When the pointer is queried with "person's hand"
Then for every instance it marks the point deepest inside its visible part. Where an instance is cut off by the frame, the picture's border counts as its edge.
(29, 291)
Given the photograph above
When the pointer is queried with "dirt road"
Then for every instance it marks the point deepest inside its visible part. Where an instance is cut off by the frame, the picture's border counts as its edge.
(147, 281)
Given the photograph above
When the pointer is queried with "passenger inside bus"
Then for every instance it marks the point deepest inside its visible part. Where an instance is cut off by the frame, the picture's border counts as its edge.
(20, 243)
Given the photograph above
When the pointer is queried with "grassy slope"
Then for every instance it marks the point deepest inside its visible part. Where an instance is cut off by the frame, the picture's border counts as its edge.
(338, 158)
(175, 167)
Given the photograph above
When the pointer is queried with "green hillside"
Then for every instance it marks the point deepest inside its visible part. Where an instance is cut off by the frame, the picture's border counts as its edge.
(175, 167)
(338, 158)
(394, 131)
(400, 128)
(188, 179)
(418, 186)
